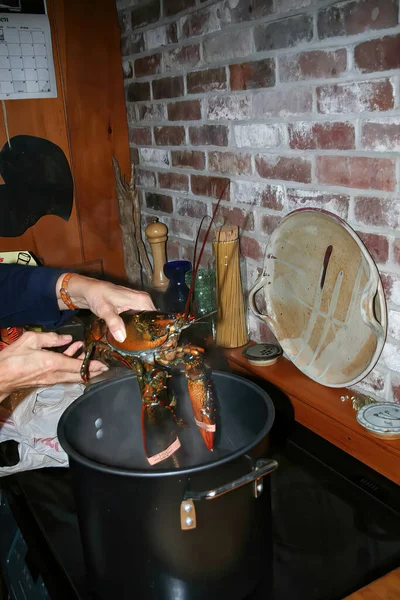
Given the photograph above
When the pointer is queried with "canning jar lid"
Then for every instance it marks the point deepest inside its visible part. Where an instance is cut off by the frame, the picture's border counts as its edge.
(381, 419)
(262, 354)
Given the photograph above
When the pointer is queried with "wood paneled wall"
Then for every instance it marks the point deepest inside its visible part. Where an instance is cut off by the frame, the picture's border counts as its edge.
(88, 121)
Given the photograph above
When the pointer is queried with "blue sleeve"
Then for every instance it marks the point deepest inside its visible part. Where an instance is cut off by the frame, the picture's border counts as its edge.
(28, 296)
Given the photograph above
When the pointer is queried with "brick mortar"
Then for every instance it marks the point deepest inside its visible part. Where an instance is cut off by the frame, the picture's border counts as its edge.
(350, 117)
(331, 189)
(278, 150)
(317, 118)
(310, 83)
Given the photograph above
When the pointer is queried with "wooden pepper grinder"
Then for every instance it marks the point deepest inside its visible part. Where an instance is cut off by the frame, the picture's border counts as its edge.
(156, 234)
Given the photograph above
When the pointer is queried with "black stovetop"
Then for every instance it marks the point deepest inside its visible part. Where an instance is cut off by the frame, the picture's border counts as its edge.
(336, 523)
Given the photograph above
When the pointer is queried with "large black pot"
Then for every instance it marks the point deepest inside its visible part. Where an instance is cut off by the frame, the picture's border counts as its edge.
(199, 530)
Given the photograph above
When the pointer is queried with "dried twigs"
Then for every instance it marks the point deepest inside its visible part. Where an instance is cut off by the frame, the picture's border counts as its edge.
(135, 255)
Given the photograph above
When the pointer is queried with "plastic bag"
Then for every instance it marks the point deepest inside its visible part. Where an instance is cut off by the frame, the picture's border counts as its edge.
(32, 421)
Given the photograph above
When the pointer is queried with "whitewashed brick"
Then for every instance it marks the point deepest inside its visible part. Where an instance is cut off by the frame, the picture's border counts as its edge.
(131, 113)
(373, 383)
(252, 326)
(282, 103)
(127, 68)
(286, 5)
(201, 22)
(147, 178)
(253, 271)
(154, 157)
(228, 45)
(381, 135)
(183, 57)
(150, 113)
(347, 97)
(228, 107)
(156, 37)
(335, 203)
(257, 193)
(394, 324)
(125, 3)
(391, 357)
(258, 136)
(395, 290)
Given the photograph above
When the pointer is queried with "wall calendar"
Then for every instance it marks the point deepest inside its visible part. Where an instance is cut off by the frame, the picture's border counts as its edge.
(26, 57)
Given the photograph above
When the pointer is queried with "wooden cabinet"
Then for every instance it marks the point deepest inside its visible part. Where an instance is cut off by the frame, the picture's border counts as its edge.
(88, 121)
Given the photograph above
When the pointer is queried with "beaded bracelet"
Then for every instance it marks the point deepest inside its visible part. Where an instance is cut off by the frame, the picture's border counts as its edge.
(65, 297)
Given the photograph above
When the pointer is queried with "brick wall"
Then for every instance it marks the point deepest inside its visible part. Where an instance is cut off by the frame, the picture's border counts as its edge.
(295, 102)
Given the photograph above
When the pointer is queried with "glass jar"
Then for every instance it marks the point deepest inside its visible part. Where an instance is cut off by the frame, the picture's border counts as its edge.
(204, 296)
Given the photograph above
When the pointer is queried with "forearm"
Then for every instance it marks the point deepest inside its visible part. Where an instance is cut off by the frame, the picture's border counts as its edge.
(28, 296)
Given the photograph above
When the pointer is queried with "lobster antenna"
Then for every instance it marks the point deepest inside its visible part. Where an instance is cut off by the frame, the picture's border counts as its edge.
(198, 237)
(214, 312)
(187, 307)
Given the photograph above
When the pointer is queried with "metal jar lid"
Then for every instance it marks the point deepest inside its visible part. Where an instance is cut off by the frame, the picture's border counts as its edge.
(262, 354)
(381, 419)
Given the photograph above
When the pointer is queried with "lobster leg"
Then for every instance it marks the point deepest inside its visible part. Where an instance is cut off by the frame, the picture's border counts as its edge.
(155, 390)
(199, 387)
(105, 354)
(85, 363)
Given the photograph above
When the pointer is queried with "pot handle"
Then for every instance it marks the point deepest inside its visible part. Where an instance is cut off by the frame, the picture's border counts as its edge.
(262, 468)
(259, 284)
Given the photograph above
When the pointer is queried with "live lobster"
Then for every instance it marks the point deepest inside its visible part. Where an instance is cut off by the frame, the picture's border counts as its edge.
(152, 348)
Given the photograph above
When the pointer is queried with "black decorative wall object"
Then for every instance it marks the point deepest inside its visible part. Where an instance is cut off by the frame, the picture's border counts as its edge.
(37, 182)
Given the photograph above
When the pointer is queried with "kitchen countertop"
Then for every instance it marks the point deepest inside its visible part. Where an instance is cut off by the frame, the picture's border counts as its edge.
(385, 588)
(321, 410)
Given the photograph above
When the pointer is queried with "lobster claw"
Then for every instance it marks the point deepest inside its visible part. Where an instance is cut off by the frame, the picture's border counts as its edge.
(201, 396)
(159, 422)
(160, 440)
(203, 408)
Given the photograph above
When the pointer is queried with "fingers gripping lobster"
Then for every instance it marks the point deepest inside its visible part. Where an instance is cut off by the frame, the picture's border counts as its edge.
(151, 348)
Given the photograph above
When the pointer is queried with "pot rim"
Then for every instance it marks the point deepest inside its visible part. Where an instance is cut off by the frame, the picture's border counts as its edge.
(111, 470)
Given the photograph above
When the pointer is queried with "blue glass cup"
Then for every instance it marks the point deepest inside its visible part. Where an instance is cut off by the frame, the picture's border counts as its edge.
(177, 291)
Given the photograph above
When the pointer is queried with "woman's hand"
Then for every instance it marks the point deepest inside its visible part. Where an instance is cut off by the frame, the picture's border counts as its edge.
(105, 300)
(27, 363)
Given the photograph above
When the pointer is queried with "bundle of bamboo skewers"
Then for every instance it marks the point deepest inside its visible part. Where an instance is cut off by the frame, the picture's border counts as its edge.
(231, 324)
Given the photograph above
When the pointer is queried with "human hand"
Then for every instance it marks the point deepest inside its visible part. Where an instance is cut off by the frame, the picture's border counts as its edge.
(28, 363)
(105, 300)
